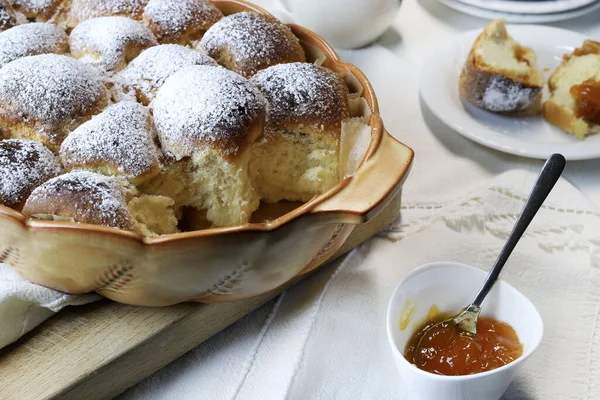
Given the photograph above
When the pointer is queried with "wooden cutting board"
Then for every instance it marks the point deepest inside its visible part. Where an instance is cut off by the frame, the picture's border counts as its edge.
(99, 350)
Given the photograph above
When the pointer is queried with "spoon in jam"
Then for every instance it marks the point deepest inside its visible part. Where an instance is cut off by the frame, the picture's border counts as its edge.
(465, 323)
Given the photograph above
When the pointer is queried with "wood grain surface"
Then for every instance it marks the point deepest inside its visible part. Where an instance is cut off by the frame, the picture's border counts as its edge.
(99, 350)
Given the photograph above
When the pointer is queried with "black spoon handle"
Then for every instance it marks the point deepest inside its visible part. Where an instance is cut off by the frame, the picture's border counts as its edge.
(548, 177)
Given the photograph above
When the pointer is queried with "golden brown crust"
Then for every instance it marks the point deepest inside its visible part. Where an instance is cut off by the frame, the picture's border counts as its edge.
(84, 197)
(180, 21)
(249, 42)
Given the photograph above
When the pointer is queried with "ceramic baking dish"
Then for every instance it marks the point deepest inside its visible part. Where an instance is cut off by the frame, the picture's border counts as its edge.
(222, 264)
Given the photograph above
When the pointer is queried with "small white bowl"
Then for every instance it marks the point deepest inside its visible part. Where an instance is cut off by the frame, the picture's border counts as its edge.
(451, 286)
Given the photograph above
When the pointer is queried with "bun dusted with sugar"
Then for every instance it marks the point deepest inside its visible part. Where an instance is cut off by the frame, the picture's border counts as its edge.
(574, 104)
(297, 158)
(45, 97)
(90, 198)
(247, 42)
(212, 116)
(147, 72)
(84, 197)
(119, 141)
(110, 42)
(32, 39)
(180, 21)
(24, 165)
(129, 122)
(500, 75)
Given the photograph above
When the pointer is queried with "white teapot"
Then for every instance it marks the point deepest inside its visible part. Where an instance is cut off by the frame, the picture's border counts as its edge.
(345, 24)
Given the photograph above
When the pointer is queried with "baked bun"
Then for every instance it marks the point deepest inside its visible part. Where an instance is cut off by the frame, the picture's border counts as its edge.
(90, 198)
(38, 10)
(180, 21)
(147, 73)
(24, 165)
(8, 18)
(213, 116)
(32, 39)
(84, 197)
(119, 141)
(500, 75)
(45, 97)
(297, 158)
(248, 42)
(110, 42)
(82, 10)
(574, 104)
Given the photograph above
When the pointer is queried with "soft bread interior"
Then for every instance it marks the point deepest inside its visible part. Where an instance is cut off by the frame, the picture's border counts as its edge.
(560, 108)
(294, 167)
(153, 215)
(222, 188)
(497, 52)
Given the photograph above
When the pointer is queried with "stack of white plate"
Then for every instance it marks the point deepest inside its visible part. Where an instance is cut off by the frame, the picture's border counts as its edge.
(524, 12)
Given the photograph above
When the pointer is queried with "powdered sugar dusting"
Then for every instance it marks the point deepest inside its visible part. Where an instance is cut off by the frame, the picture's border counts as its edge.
(31, 39)
(85, 196)
(147, 72)
(122, 136)
(302, 93)
(253, 42)
(172, 19)
(24, 165)
(82, 10)
(205, 105)
(47, 91)
(503, 94)
(107, 41)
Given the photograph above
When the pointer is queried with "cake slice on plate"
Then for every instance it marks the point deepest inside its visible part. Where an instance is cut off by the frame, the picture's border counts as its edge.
(500, 75)
(574, 105)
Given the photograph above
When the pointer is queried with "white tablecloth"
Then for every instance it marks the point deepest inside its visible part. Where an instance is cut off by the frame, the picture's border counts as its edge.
(325, 338)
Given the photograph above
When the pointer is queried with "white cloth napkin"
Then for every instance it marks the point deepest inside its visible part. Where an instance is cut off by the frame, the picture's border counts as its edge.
(24, 305)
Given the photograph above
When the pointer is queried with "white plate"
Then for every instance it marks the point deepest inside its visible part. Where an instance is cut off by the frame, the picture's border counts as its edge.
(520, 18)
(524, 136)
(529, 7)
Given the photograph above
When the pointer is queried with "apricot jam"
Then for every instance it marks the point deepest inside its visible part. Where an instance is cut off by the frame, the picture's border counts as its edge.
(587, 101)
(447, 351)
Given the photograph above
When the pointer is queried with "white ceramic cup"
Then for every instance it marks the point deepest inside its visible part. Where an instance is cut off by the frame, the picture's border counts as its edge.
(345, 24)
(452, 286)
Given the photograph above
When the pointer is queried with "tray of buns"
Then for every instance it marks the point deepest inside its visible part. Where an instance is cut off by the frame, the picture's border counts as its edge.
(157, 156)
